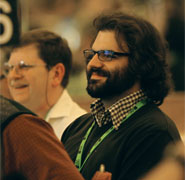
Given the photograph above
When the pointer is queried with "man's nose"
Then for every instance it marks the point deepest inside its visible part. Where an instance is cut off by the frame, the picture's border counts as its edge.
(95, 62)
(15, 73)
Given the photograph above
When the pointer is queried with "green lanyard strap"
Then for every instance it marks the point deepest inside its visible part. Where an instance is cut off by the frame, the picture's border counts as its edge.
(78, 161)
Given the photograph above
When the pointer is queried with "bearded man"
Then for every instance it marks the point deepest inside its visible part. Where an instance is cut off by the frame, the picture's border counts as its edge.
(128, 74)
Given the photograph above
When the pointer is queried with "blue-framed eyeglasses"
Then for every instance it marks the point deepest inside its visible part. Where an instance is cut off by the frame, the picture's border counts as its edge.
(21, 67)
(103, 55)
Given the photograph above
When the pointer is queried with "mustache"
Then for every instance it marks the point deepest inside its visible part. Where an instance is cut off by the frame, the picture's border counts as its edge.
(98, 71)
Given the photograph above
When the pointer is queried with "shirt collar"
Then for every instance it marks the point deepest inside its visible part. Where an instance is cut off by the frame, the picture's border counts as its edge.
(118, 111)
(61, 108)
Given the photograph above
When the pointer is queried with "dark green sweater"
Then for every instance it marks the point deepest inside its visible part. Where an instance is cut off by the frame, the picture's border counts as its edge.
(128, 152)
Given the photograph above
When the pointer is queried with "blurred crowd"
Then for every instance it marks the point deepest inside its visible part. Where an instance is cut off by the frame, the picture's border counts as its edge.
(72, 19)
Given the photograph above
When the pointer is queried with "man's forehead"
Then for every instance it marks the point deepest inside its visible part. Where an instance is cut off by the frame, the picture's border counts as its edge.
(29, 47)
(106, 40)
(28, 54)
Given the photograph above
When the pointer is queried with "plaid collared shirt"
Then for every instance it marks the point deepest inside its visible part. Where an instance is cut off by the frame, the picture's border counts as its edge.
(118, 111)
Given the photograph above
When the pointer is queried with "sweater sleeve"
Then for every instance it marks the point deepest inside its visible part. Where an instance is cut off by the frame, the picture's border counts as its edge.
(31, 147)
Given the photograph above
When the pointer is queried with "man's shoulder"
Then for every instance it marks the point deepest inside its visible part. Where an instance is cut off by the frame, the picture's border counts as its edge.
(151, 117)
(9, 110)
(153, 112)
(81, 121)
(80, 124)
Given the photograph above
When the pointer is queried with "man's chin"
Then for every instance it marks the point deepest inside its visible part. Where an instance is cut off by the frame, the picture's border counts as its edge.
(96, 93)
(105, 92)
(20, 99)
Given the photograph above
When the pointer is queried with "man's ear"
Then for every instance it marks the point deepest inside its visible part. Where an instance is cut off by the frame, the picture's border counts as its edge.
(58, 72)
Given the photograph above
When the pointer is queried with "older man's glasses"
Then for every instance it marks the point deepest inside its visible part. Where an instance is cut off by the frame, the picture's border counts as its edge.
(21, 67)
(103, 55)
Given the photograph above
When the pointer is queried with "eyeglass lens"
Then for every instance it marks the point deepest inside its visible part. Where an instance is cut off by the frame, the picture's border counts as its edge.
(20, 66)
(102, 55)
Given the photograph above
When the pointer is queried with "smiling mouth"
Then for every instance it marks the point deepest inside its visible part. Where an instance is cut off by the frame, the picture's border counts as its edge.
(20, 86)
(97, 76)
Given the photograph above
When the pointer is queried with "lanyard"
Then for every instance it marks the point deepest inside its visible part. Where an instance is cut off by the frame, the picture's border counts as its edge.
(78, 161)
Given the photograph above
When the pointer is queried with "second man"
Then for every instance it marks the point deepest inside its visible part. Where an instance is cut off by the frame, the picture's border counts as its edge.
(38, 73)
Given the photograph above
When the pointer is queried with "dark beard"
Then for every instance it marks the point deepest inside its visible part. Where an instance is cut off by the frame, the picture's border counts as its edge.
(118, 81)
